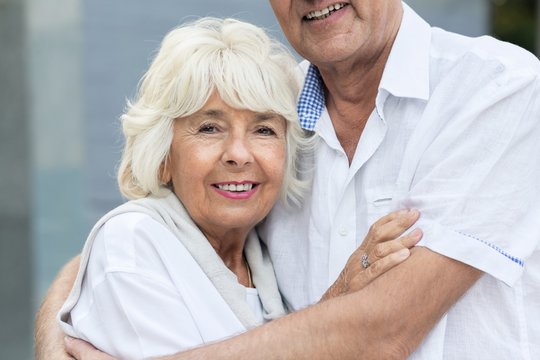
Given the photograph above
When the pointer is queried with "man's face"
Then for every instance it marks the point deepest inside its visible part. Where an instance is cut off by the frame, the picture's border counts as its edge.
(327, 32)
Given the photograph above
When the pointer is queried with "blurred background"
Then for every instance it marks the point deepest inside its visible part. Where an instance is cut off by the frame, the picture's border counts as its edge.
(66, 70)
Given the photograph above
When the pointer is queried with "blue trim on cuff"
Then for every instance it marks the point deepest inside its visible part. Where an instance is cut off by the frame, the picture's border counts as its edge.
(516, 260)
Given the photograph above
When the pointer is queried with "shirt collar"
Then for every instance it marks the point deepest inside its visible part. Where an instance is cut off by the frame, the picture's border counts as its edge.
(311, 101)
(406, 73)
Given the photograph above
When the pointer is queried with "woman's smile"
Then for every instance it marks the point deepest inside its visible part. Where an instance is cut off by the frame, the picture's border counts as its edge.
(236, 190)
(227, 165)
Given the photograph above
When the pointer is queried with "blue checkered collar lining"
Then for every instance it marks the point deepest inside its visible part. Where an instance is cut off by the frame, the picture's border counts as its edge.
(311, 101)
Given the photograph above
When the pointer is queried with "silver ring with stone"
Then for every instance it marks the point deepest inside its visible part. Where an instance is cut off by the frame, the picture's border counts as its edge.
(365, 261)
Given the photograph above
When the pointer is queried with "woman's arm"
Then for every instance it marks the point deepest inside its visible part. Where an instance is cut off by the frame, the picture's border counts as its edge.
(48, 335)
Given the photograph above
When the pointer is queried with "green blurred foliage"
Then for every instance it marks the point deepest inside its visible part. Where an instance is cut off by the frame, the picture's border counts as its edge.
(515, 21)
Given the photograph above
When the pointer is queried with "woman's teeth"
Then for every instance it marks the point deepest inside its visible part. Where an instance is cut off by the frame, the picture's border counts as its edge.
(235, 187)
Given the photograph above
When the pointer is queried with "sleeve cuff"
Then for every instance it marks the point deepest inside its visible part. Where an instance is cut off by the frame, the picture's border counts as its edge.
(472, 251)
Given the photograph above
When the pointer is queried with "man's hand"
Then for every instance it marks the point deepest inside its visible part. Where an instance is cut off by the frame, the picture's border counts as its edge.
(81, 350)
(383, 250)
(48, 335)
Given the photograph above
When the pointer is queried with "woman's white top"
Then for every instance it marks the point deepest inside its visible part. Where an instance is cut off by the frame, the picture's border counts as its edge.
(143, 293)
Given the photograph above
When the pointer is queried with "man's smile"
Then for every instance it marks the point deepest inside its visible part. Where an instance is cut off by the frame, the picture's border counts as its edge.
(324, 13)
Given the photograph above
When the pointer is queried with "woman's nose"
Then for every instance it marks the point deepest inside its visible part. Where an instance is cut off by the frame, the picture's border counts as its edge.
(237, 152)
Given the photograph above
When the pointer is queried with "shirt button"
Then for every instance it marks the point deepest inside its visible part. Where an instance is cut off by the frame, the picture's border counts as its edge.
(343, 232)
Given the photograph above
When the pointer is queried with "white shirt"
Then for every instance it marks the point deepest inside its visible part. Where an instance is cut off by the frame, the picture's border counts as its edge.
(456, 134)
(144, 295)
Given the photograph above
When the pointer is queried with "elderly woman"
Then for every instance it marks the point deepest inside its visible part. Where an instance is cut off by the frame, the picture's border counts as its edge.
(212, 142)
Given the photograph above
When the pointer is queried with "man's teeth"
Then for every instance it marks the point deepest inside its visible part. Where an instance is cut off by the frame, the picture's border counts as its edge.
(324, 13)
(235, 187)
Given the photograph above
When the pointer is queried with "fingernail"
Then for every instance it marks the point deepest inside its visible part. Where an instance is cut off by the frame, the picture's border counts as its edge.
(404, 212)
(416, 233)
(413, 212)
(403, 253)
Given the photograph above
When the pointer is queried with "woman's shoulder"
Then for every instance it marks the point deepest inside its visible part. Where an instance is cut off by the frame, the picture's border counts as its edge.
(129, 223)
(131, 241)
(129, 227)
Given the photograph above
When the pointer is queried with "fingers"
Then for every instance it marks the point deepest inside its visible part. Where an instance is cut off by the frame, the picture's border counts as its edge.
(81, 350)
(392, 225)
(363, 278)
(386, 248)
(393, 216)
(382, 257)
(75, 347)
(386, 263)
(411, 239)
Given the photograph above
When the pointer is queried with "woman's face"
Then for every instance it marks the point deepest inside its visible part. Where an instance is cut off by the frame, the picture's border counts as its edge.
(227, 166)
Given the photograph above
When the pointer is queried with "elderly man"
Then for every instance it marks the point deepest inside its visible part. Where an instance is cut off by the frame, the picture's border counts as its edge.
(407, 115)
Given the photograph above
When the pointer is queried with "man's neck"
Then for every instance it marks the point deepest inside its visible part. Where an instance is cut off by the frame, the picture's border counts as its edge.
(350, 99)
(351, 90)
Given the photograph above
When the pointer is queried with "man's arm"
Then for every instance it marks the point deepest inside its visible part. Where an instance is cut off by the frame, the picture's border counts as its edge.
(48, 335)
(387, 319)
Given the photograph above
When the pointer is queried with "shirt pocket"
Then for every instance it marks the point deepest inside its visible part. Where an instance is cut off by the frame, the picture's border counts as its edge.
(379, 202)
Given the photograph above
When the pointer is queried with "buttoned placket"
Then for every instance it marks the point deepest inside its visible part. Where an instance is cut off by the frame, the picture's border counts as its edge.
(341, 183)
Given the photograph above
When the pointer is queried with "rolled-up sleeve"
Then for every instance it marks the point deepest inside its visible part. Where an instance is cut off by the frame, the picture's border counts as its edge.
(475, 174)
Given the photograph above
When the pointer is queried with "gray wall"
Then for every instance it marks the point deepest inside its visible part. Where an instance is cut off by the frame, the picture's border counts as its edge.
(15, 264)
(55, 118)
(467, 17)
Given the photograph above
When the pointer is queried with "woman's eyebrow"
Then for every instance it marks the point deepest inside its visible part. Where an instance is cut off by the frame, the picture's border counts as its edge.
(212, 113)
(266, 116)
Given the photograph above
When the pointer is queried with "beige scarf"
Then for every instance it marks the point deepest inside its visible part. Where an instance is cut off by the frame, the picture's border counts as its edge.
(170, 212)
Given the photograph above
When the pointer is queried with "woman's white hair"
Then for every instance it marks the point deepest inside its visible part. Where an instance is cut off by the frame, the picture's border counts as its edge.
(249, 70)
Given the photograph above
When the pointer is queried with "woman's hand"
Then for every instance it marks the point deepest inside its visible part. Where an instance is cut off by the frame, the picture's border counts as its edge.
(82, 350)
(380, 251)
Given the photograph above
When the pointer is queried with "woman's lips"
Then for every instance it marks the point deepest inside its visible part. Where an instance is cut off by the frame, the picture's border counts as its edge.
(236, 190)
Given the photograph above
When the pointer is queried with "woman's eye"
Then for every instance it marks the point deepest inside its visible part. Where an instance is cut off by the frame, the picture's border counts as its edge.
(266, 131)
(208, 129)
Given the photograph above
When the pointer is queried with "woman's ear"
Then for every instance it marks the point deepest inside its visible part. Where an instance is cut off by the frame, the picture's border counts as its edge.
(164, 173)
